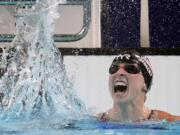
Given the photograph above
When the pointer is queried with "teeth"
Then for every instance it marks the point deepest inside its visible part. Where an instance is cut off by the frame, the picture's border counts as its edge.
(120, 83)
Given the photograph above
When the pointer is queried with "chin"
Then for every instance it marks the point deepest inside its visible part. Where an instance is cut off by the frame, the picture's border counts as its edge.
(121, 99)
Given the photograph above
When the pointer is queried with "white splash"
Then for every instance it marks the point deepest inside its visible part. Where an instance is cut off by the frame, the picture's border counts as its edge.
(35, 85)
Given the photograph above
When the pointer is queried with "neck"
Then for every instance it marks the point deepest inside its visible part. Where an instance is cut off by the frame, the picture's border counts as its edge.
(127, 112)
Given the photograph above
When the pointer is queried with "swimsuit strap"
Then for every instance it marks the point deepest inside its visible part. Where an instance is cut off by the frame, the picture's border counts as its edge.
(104, 117)
(150, 115)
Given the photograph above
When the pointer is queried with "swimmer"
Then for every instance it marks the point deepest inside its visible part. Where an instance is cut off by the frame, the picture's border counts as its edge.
(130, 78)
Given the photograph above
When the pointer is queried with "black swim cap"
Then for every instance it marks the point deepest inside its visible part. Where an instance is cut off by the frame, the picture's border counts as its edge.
(142, 61)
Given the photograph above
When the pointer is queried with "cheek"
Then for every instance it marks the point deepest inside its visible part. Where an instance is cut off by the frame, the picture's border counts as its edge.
(111, 78)
(110, 83)
(137, 82)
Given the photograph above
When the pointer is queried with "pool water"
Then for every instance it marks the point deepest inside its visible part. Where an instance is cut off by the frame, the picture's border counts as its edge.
(88, 126)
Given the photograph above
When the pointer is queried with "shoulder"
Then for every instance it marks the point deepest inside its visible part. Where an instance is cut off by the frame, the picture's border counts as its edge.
(103, 117)
(167, 116)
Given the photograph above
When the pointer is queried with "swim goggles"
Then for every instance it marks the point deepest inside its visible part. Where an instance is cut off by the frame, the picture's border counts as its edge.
(132, 69)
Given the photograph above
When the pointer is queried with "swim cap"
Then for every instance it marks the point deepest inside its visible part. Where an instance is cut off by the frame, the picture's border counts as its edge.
(142, 61)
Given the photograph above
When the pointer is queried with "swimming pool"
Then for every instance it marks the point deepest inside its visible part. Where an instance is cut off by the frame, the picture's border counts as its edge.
(87, 127)
(39, 97)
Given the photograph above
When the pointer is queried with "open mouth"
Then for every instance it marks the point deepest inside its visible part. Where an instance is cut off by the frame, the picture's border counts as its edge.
(120, 87)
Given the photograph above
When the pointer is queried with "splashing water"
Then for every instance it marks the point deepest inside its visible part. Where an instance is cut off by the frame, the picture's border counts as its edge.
(35, 85)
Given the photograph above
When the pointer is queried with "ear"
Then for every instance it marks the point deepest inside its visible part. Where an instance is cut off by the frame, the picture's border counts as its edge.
(144, 88)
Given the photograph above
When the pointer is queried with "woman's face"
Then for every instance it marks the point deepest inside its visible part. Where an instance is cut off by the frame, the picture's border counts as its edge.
(126, 83)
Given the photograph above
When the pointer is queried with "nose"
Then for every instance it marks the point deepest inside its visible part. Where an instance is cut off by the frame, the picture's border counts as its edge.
(121, 72)
(121, 75)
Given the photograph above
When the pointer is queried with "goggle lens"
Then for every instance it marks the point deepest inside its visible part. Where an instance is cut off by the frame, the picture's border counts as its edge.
(132, 69)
